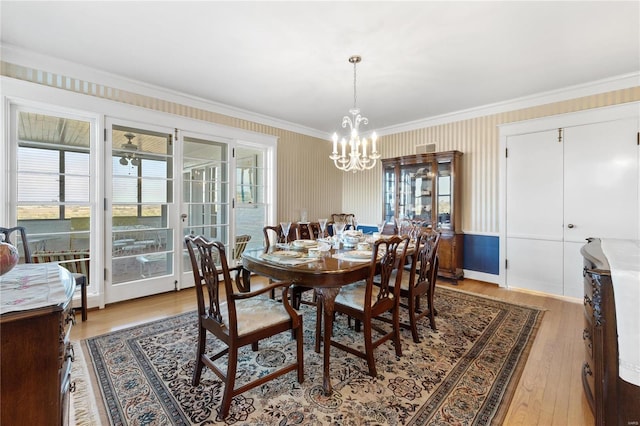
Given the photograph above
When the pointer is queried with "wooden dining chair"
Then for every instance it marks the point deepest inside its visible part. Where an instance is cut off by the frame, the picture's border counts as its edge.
(365, 301)
(308, 231)
(21, 232)
(237, 319)
(420, 282)
(273, 235)
(77, 262)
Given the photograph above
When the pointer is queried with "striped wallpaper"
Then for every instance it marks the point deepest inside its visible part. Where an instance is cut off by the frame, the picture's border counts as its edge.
(478, 139)
(307, 178)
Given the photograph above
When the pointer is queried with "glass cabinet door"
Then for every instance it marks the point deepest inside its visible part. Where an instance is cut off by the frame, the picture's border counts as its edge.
(416, 192)
(444, 194)
(389, 191)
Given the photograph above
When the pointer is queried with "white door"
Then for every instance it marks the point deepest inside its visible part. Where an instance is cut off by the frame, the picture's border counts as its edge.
(205, 194)
(534, 234)
(140, 237)
(251, 204)
(600, 189)
(560, 193)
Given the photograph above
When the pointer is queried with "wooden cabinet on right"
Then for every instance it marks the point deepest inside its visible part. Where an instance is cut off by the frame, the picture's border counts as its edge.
(427, 187)
(613, 400)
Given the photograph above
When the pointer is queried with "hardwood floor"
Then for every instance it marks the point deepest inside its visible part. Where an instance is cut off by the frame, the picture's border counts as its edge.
(550, 389)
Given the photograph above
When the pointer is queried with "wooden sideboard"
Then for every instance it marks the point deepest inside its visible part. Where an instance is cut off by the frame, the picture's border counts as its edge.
(35, 365)
(613, 400)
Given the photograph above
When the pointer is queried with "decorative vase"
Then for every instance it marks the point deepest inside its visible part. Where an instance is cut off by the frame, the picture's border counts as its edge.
(9, 257)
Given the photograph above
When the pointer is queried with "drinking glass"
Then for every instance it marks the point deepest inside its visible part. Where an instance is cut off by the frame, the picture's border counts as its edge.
(380, 225)
(354, 223)
(285, 230)
(338, 229)
(323, 227)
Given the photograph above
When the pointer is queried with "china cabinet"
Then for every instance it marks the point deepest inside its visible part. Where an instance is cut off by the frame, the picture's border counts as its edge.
(427, 187)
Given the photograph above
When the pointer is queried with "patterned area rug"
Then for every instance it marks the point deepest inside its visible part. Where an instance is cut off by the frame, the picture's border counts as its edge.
(464, 373)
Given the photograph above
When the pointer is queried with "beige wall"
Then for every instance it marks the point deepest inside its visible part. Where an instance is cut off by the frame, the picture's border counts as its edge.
(308, 179)
(478, 139)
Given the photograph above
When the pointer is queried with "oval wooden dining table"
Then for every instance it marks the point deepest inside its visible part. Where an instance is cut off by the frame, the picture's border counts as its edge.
(325, 275)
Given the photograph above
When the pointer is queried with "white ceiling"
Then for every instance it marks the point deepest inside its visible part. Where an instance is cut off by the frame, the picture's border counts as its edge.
(289, 60)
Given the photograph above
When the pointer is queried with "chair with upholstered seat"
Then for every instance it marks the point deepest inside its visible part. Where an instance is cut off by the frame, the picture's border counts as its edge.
(237, 319)
(273, 235)
(79, 271)
(77, 262)
(364, 301)
(420, 282)
(308, 231)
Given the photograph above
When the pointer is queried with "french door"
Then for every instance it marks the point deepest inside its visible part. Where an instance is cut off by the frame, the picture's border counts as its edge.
(140, 237)
(251, 206)
(205, 193)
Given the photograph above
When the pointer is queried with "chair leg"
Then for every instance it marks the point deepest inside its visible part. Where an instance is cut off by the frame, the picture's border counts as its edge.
(81, 281)
(300, 353)
(432, 310)
(230, 383)
(396, 331)
(83, 297)
(202, 341)
(368, 348)
(413, 306)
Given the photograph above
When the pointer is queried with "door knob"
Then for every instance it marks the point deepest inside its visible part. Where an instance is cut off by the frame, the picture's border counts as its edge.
(183, 216)
(570, 226)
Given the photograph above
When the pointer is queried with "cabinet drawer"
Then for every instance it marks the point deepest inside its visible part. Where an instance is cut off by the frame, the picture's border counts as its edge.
(588, 383)
(588, 285)
(65, 400)
(587, 338)
(65, 368)
(593, 298)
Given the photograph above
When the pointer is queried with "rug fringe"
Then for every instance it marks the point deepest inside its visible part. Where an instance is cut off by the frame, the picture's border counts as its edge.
(83, 405)
(497, 299)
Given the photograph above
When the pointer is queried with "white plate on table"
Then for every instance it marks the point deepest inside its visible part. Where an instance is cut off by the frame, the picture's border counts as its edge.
(358, 254)
(286, 254)
(305, 243)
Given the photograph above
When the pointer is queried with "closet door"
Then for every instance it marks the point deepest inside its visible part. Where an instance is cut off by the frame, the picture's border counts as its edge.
(534, 209)
(600, 190)
(558, 193)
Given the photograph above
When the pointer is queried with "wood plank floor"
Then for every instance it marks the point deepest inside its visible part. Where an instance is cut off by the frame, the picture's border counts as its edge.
(550, 389)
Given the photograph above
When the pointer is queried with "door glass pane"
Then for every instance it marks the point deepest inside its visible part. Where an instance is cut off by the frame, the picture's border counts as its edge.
(53, 183)
(389, 193)
(251, 207)
(415, 192)
(205, 191)
(444, 195)
(142, 242)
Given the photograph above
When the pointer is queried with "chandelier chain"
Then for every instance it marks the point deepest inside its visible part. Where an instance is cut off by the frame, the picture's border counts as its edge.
(354, 86)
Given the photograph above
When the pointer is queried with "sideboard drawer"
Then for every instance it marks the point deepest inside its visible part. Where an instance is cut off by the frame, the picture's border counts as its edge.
(588, 383)
(587, 338)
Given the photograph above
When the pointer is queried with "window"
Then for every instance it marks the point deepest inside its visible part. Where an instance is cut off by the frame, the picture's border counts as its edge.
(53, 181)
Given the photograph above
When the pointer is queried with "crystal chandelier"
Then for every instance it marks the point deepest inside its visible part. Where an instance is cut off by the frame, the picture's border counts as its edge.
(357, 158)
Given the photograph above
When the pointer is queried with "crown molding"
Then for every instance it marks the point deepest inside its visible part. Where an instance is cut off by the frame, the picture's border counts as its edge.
(18, 56)
(30, 59)
(624, 81)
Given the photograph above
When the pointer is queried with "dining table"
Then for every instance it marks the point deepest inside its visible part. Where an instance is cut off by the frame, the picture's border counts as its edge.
(326, 274)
